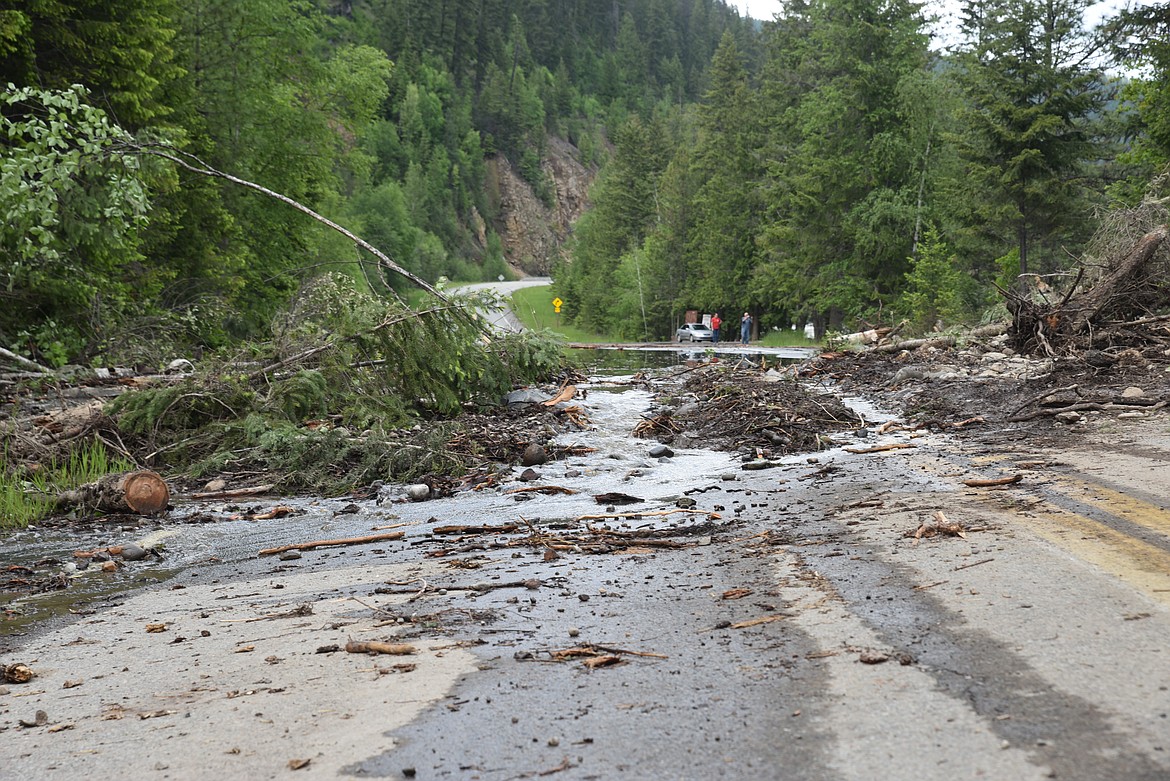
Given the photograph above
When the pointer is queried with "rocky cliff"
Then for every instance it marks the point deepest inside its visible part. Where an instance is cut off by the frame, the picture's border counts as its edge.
(533, 233)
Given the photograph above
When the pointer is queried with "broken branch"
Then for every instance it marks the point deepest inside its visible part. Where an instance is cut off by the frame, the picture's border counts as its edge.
(984, 483)
(326, 543)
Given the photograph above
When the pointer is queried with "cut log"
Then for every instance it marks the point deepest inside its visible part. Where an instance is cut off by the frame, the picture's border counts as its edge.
(143, 493)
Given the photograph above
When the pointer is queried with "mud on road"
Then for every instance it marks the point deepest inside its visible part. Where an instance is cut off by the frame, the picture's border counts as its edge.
(846, 609)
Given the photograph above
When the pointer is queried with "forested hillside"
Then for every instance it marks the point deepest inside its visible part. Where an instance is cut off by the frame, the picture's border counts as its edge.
(379, 114)
(828, 164)
(854, 171)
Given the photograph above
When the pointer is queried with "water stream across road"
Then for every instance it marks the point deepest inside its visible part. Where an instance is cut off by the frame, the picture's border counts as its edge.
(198, 534)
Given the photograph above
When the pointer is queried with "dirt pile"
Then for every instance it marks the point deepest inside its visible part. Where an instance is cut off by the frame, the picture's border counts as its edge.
(985, 387)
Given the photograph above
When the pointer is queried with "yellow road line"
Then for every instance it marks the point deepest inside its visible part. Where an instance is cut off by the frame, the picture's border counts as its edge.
(1122, 505)
(1140, 564)
(1145, 567)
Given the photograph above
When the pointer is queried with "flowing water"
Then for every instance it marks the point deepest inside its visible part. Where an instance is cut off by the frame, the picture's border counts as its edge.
(617, 463)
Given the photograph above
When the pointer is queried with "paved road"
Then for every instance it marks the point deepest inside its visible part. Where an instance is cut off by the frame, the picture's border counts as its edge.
(502, 318)
(801, 634)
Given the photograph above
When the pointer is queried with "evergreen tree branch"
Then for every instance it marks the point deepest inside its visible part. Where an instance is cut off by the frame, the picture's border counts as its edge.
(309, 353)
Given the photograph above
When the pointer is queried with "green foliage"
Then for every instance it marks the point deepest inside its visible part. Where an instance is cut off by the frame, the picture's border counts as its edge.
(1008, 269)
(534, 308)
(26, 498)
(71, 215)
(788, 169)
(933, 285)
(1034, 104)
(340, 362)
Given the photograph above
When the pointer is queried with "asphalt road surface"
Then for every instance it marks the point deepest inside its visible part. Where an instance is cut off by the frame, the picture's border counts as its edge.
(795, 632)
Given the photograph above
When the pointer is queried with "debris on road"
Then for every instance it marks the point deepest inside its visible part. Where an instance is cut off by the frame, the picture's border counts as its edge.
(379, 647)
(327, 543)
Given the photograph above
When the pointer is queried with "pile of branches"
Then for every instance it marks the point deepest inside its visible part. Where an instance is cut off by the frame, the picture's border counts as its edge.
(1119, 299)
(738, 409)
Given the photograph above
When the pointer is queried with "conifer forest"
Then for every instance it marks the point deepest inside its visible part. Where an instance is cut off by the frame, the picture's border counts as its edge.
(838, 163)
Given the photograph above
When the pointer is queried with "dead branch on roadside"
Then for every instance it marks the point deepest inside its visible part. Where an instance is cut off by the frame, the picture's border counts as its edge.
(880, 448)
(994, 481)
(327, 543)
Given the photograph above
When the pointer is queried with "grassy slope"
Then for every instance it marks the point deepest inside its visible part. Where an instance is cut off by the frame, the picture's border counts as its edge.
(533, 307)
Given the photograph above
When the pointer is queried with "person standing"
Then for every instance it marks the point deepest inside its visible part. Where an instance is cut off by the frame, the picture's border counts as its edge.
(715, 323)
(745, 328)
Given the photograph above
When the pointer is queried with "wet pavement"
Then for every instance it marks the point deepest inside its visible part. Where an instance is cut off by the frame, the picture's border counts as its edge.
(796, 632)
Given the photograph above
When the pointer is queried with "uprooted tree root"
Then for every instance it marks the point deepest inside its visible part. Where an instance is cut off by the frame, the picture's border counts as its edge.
(1117, 300)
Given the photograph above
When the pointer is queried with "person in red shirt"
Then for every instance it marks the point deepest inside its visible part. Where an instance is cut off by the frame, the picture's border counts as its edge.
(715, 323)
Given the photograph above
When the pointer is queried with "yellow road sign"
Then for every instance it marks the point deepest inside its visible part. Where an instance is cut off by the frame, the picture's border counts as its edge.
(557, 302)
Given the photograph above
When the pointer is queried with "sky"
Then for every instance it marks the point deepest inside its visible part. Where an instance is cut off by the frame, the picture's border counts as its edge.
(946, 9)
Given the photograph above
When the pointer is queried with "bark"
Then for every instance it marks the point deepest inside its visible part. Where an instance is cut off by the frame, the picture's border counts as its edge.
(1091, 303)
(24, 362)
(142, 493)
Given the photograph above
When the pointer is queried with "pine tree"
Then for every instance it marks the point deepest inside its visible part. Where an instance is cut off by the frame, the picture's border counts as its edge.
(1034, 99)
(845, 154)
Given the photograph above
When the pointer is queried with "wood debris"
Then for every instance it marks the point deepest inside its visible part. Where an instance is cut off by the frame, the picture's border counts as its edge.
(379, 647)
(938, 525)
(757, 621)
(542, 489)
(235, 493)
(327, 543)
(880, 448)
(988, 482)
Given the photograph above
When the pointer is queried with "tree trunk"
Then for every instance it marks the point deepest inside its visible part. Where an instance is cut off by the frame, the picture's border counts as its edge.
(141, 493)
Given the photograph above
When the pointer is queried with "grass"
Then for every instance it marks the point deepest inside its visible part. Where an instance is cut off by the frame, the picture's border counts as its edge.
(28, 499)
(534, 308)
(784, 338)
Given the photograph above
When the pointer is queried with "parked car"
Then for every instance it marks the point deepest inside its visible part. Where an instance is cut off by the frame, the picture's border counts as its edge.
(694, 332)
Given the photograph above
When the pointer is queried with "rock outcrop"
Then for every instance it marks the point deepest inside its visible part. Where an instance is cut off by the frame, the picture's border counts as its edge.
(533, 233)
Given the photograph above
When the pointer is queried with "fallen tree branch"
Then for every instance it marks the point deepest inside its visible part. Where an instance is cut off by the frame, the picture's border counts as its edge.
(20, 360)
(648, 513)
(235, 493)
(473, 529)
(914, 344)
(379, 647)
(327, 543)
(195, 165)
(542, 489)
(1041, 397)
(986, 483)
(880, 448)
(1053, 411)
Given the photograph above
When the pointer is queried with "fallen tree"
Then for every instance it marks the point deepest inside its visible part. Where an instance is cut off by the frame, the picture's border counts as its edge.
(143, 493)
(1118, 304)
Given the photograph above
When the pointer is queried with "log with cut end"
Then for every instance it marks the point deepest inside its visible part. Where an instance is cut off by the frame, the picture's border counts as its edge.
(143, 492)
